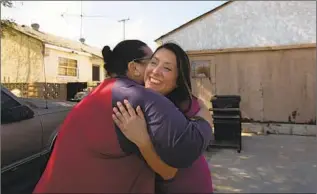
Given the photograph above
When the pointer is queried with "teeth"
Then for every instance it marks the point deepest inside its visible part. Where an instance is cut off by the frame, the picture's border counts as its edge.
(155, 81)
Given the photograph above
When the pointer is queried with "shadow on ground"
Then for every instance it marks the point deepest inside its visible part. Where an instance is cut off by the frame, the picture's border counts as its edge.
(266, 164)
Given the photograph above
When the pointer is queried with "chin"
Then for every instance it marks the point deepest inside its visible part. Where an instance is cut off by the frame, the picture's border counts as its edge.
(147, 85)
(142, 83)
(155, 90)
(150, 87)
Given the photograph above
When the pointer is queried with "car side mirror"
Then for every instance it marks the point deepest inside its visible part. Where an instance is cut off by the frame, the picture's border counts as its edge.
(15, 114)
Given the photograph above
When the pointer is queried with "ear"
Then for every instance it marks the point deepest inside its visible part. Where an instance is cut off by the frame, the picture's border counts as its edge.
(131, 66)
(132, 69)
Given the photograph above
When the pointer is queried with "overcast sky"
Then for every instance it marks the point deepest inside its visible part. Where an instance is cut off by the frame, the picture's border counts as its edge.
(148, 19)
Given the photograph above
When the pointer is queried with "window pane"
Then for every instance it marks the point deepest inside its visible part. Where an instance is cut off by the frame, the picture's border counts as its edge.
(63, 65)
(72, 63)
(62, 60)
(71, 72)
(61, 71)
(67, 67)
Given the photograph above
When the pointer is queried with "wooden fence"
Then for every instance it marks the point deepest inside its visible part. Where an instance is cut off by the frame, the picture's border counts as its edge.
(38, 90)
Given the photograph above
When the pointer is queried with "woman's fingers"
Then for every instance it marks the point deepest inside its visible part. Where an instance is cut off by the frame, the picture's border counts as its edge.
(123, 111)
(118, 114)
(131, 110)
(117, 122)
(140, 112)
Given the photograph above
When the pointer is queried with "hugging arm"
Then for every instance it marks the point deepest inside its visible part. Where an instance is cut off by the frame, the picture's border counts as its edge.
(177, 140)
(134, 127)
(156, 163)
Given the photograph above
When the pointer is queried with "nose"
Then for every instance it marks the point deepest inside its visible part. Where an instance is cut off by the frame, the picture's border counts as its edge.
(156, 70)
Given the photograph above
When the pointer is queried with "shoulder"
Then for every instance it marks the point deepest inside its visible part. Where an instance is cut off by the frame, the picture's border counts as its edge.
(136, 94)
(194, 108)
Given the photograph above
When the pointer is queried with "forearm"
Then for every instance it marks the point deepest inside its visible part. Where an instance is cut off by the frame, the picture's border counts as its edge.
(154, 161)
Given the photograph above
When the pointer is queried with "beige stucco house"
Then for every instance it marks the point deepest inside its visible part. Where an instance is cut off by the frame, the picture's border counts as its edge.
(31, 56)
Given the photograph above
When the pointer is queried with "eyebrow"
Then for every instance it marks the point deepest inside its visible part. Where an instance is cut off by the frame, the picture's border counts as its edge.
(155, 58)
(159, 60)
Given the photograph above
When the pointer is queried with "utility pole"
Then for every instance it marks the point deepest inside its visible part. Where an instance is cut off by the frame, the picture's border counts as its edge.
(123, 21)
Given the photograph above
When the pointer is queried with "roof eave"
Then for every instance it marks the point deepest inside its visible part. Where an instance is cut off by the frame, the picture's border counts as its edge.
(17, 28)
(193, 20)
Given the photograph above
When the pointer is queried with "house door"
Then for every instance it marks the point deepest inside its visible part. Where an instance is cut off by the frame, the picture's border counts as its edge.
(95, 73)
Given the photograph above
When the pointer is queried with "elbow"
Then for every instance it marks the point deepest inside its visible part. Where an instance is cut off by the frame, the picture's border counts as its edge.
(183, 152)
(205, 132)
(184, 155)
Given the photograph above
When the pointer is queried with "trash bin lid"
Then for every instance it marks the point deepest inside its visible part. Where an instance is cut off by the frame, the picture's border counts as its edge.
(226, 96)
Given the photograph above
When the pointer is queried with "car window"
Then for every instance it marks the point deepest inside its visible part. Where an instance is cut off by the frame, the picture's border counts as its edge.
(7, 102)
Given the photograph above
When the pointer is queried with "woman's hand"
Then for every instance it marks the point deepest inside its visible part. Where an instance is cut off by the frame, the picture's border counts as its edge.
(133, 126)
(132, 123)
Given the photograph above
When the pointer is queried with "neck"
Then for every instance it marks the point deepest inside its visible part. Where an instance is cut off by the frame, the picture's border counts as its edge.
(113, 75)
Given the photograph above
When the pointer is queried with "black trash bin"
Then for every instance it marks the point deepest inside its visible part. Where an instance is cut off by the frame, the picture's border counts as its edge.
(227, 129)
(226, 101)
(227, 121)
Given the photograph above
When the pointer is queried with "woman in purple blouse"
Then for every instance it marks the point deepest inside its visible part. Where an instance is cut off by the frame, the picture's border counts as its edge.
(168, 73)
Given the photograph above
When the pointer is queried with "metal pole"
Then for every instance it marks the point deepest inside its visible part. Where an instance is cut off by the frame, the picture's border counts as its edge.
(123, 30)
(123, 22)
(81, 19)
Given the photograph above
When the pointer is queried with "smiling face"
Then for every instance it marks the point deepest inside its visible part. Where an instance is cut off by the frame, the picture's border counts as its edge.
(161, 73)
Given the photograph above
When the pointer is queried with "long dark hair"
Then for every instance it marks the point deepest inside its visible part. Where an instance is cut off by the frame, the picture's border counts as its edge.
(181, 96)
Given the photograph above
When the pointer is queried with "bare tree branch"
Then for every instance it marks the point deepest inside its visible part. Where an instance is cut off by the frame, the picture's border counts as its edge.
(6, 3)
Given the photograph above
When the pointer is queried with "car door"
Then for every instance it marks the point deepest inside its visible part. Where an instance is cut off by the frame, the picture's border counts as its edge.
(21, 144)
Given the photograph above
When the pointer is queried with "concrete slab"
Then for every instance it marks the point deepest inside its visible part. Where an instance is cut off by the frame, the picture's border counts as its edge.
(266, 164)
(283, 129)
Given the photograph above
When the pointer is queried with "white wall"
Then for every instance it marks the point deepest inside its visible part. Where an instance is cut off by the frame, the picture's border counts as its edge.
(251, 24)
(84, 65)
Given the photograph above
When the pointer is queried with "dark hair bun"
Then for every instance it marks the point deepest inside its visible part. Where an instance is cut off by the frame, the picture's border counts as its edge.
(106, 53)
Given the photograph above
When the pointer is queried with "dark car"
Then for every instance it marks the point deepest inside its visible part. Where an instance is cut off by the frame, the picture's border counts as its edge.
(28, 131)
